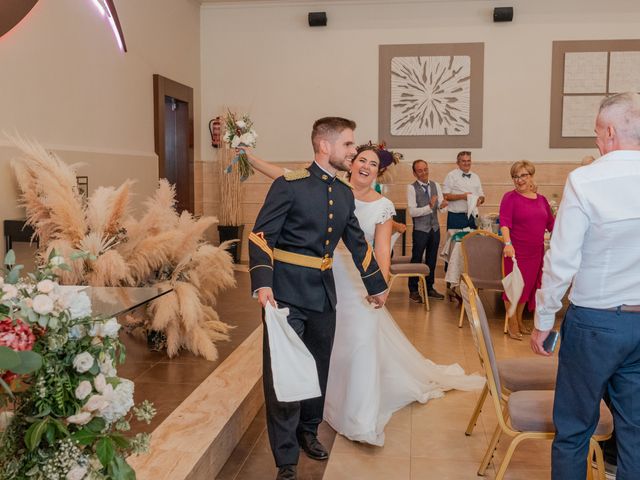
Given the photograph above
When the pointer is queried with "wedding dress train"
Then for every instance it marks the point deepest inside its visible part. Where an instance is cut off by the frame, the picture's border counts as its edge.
(375, 370)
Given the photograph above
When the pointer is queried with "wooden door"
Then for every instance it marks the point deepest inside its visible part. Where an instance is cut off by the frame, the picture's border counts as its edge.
(173, 112)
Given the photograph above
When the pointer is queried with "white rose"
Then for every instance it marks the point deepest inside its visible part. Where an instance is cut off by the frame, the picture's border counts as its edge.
(42, 304)
(9, 292)
(120, 401)
(83, 390)
(106, 367)
(227, 136)
(56, 261)
(79, 305)
(95, 402)
(80, 418)
(110, 328)
(76, 473)
(241, 124)
(83, 362)
(235, 142)
(100, 382)
(45, 286)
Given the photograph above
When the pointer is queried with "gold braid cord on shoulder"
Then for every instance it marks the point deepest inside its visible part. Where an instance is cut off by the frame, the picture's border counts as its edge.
(296, 174)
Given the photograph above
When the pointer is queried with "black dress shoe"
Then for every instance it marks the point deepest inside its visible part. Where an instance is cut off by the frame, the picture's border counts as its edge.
(434, 294)
(287, 472)
(312, 447)
(415, 297)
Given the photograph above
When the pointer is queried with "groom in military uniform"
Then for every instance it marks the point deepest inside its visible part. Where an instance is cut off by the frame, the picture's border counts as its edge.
(306, 213)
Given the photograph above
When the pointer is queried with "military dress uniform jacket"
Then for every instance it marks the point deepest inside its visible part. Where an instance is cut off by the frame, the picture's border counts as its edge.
(307, 212)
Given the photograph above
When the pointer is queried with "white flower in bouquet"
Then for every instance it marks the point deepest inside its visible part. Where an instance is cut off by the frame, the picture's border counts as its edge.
(10, 292)
(78, 331)
(46, 286)
(120, 401)
(241, 124)
(107, 328)
(81, 418)
(100, 383)
(42, 304)
(83, 390)
(83, 362)
(79, 305)
(106, 367)
(78, 472)
(96, 403)
(248, 139)
(235, 143)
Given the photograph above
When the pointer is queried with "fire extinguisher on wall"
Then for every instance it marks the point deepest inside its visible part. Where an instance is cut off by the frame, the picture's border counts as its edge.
(214, 130)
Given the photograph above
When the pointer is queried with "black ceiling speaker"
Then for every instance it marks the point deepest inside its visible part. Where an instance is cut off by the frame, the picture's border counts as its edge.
(317, 19)
(503, 14)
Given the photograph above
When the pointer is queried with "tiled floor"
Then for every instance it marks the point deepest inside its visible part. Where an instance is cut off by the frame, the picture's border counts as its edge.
(422, 441)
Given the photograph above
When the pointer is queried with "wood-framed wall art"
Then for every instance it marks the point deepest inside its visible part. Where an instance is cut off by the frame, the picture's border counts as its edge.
(431, 95)
(583, 72)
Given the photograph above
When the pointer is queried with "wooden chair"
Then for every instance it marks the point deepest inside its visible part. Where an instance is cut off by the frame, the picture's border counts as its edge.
(524, 414)
(484, 263)
(401, 266)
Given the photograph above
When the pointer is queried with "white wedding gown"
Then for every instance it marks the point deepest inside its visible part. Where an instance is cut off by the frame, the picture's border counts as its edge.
(375, 370)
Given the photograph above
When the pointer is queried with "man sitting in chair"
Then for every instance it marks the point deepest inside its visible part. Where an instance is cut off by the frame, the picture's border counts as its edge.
(424, 199)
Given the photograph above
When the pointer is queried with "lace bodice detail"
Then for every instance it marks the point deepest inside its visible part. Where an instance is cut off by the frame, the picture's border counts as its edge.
(371, 214)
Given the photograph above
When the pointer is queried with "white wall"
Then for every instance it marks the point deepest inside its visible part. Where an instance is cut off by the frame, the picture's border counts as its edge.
(266, 60)
(65, 83)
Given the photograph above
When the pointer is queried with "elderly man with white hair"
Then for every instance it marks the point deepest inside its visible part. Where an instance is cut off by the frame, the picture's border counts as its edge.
(595, 244)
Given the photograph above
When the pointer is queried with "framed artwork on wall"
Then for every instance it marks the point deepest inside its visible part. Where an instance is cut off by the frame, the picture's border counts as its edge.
(430, 95)
(583, 72)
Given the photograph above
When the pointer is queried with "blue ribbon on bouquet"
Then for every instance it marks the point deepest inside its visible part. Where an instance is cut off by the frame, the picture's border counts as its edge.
(234, 161)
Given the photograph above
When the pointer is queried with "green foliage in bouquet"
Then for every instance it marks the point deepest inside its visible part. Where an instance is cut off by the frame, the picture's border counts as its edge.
(70, 410)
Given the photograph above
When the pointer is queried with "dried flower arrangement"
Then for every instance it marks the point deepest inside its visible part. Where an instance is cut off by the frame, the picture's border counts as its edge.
(161, 248)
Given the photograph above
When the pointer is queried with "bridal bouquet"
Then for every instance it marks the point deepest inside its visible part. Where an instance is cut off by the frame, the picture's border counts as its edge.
(66, 408)
(238, 134)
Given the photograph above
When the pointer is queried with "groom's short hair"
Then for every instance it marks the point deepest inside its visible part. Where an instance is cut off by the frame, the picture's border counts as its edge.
(327, 128)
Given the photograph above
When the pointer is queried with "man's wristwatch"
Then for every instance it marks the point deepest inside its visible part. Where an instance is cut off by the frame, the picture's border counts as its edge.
(506, 244)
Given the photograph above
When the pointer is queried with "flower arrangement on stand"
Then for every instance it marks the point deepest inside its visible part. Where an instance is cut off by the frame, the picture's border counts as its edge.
(162, 248)
(68, 415)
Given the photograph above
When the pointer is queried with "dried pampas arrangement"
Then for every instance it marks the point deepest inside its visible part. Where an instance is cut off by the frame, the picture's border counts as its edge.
(163, 248)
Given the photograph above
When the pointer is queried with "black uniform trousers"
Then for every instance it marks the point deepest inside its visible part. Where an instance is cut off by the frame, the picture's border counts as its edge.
(285, 420)
(425, 244)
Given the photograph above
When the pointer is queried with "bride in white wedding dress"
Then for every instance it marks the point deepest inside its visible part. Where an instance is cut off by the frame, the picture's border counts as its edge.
(375, 370)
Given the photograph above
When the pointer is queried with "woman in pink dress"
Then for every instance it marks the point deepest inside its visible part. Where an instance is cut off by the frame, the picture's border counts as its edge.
(524, 217)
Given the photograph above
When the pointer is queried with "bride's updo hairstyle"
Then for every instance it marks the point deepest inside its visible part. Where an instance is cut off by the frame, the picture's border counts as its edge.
(387, 159)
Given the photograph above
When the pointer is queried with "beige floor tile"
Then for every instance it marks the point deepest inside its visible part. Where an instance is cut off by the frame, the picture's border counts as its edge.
(365, 467)
(427, 469)
(397, 444)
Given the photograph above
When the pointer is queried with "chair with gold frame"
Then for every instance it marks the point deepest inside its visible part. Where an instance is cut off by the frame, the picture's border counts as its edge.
(484, 263)
(524, 414)
(402, 267)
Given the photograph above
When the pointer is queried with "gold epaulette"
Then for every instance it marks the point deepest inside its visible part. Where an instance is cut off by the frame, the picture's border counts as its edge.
(346, 182)
(296, 174)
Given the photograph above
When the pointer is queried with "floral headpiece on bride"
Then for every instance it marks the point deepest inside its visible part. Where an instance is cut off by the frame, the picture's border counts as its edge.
(387, 159)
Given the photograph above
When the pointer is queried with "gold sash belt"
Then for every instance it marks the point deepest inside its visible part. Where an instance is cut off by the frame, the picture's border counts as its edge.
(321, 263)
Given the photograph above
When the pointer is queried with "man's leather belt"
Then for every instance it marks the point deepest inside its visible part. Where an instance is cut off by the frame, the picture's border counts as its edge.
(321, 263)
(625, 308)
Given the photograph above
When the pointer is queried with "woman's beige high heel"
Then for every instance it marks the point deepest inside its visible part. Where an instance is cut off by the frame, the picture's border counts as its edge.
(513, 329)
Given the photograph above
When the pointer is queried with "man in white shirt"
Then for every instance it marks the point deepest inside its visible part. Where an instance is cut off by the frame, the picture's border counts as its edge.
(461, 186)
(595, 245)
(424, 199)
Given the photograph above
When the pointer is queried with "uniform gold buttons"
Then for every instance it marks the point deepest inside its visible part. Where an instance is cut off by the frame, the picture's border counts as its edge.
(329, 229)
(326, 255)
(325, 177)
(330, 202)
(330, 215)
(326, 242)
(330, 189)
